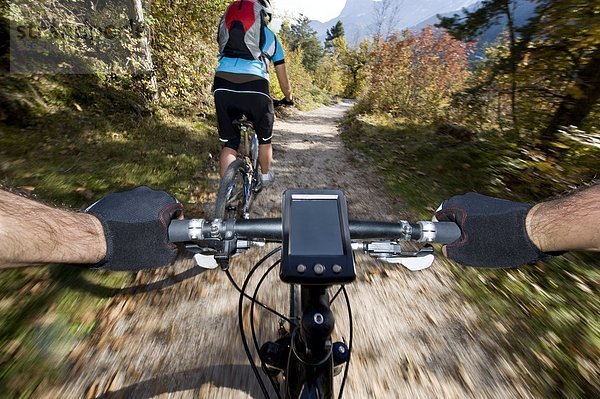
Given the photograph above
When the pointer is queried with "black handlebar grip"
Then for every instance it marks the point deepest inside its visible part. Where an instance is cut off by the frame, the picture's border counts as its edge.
(178, 231)
(447, 232)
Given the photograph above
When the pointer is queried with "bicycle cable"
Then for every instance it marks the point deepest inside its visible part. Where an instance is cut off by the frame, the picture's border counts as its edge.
(241, 321)
(343, 384)
(254, 301)
(336, 295)
(252, 328)
(237, 287)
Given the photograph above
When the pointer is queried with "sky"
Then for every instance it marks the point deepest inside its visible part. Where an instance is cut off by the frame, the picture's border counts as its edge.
(320, 10)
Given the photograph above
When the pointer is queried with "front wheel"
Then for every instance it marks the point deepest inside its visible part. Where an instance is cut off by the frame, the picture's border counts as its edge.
(231, 198)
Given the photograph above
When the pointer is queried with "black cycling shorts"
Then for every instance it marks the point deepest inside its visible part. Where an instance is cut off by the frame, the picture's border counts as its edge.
(252, 99)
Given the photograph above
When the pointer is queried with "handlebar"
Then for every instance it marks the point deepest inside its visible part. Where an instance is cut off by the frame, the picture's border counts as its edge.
(271, 229)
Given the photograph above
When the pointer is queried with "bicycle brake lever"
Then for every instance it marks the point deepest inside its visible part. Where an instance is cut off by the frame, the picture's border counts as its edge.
(200, 256)
(414, 261)
(206, 261)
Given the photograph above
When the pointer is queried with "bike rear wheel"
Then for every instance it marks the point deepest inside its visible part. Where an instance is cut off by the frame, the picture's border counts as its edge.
(231, 199)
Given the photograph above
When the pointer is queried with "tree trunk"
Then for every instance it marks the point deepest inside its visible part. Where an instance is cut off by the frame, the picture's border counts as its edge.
(136, 15)
(513, 64)
(579, 102)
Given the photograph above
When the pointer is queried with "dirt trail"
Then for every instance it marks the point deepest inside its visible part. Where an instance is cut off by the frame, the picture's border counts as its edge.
(176, 335)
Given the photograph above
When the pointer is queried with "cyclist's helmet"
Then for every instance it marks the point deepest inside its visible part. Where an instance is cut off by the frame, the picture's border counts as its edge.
(267, 9)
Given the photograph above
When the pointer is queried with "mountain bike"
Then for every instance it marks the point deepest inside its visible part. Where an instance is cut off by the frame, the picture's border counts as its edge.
(240, 181)
(316, 255)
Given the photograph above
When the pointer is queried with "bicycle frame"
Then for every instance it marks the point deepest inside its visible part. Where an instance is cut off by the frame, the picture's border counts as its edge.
(247, 165)
(304, 353)
(309, 372)
(250, 154)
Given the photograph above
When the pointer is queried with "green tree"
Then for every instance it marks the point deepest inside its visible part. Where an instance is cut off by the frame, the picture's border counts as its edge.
(553, 61)
(336, 31)
(471, 24)
(567, 39)
(301, 36)
(354, 62)
(184, 50)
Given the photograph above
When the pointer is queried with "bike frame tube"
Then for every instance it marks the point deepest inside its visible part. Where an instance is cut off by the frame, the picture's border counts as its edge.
(306, 379)
(248, 187)
(251, 166)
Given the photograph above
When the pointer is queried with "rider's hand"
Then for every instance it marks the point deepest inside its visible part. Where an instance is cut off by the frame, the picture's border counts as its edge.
(136, 225)
(283, 102)
(493, 231)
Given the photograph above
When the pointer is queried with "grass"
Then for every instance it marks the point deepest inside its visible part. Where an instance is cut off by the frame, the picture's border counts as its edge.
(548, 315)
(45, 312)
(82, 140)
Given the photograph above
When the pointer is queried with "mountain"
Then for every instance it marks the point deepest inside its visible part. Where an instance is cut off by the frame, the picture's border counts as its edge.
(523, 11)
(358, 16)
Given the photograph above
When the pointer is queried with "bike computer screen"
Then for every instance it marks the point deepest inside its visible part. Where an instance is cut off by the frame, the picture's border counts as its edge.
(316, 238)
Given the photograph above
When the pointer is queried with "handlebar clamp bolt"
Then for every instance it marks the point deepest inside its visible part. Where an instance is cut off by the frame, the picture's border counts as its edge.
(215, 228)
(300, 268)
(406, 230)
(319, 318)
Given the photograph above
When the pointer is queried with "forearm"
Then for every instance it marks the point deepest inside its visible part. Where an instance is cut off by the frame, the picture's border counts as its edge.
(571, 223)
(32, 233)
(284, 82)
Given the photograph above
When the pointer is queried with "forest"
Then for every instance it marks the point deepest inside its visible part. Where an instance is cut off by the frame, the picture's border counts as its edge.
(104, 95)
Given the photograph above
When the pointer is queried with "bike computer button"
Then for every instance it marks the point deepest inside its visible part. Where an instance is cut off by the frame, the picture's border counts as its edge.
(336, 268)
(301, 268)
(319, 269)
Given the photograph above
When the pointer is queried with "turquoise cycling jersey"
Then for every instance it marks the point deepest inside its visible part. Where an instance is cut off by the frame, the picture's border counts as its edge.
(272, 50)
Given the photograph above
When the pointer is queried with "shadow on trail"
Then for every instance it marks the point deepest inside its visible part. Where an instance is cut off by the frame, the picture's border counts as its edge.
(80, 283)
(164, 283)
(238, 377)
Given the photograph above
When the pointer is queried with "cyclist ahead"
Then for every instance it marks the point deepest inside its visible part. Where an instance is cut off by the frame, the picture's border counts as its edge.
(241, 87)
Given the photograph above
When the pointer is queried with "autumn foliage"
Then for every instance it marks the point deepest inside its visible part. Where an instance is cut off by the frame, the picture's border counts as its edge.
(414, 75)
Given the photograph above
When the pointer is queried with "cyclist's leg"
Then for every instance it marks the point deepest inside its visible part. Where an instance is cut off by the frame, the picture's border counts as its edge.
(226, 158)
(263, 117)
(265, 157)
(227, 112)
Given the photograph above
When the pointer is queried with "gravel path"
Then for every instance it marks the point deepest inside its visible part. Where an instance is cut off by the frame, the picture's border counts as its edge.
(175, 334)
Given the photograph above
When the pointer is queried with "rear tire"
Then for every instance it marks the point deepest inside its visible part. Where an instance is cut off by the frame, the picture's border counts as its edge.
(230, 199)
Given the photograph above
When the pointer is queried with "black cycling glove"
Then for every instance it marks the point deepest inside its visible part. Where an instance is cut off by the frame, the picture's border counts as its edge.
(493, 231)
(282, 102)
(136, 226)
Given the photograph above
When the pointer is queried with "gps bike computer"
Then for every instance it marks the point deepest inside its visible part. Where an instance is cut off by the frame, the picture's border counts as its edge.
(316, 239)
